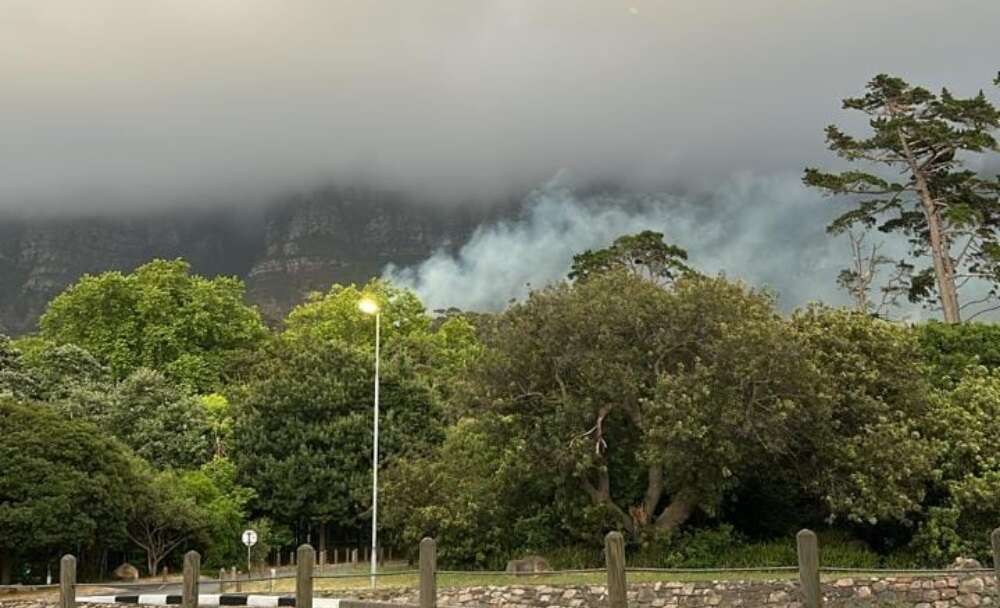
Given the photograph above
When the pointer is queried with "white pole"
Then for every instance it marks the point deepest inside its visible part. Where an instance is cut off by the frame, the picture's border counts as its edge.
(375, 460)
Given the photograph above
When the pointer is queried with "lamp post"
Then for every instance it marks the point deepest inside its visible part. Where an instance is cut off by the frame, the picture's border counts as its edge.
(371, 307)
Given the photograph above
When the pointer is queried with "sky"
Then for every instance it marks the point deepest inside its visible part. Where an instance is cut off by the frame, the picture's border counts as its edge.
(124, 104)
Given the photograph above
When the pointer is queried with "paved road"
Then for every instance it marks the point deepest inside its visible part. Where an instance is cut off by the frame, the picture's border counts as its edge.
(206, 585)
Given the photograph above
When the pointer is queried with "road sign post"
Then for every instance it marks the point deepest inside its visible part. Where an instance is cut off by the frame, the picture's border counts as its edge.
(249, 539)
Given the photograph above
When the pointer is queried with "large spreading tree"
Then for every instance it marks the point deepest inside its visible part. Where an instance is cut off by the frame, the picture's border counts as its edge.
(160, 316)
(919, 186)
(659, 402)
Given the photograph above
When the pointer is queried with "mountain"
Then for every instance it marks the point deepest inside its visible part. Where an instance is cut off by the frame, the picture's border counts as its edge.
(284, 250)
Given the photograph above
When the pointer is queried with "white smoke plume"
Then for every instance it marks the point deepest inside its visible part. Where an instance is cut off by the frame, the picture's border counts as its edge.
(768, 231)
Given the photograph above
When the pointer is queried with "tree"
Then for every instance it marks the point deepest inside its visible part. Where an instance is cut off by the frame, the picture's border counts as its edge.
(159, 421)
(64, 485)
(160, 316)
(951, 351)
(203, 508)
(303, 432)
(591, 371)
(432, 352)
(660, 403)
(484, 499)
(644, 254)
(862, 448)
(947, 212)
(14, 380)
(965, 423)
(867, 264)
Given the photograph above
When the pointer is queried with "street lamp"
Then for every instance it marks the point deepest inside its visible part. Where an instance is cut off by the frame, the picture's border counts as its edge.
(371, 307)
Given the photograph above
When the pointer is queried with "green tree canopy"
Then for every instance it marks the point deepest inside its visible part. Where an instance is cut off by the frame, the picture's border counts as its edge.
(202, 508)
(303, 432)
(644, 254)
(918, 144)
(160, 316)
(965, 423)
(659, 403)
(64, 485)
(159, 421)
(951, 350)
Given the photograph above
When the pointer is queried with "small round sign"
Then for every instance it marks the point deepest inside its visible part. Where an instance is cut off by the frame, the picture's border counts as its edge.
(249, 538)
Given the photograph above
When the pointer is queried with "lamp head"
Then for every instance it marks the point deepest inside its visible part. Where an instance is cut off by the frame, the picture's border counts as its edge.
(368, 306)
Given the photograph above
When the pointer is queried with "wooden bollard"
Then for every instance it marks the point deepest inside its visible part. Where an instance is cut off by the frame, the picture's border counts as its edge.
(236, 577)
(614, 555)
(67, 582)
(305, 559)
(192, 572)
(808, 550)
(995, 541)
(428, 573)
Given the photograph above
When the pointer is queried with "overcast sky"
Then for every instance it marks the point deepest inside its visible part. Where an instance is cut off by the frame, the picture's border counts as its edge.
(716, 105)
(135, 102)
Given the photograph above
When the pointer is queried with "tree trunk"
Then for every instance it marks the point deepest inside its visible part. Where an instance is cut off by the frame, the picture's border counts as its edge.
(322, 538)
(153, 563)
(944, 270)
(6, 568)
(676, 513)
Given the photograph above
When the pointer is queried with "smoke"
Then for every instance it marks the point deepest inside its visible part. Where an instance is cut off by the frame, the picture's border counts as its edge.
(111, 104)
(768, 231)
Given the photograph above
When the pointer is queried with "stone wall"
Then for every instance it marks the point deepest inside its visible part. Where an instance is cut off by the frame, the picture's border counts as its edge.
(967, 591)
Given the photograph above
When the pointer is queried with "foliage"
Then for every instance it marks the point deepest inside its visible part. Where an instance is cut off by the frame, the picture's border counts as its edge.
(159, 421)
(204, 508)
(303, 434)
(951, 350)
(160, 316)
(14, 381)
(433, 354)
(864, 451)
(644, 254)
(620, 383)
(63, 484)
(947, 212)
(966, 423)
(481, 496)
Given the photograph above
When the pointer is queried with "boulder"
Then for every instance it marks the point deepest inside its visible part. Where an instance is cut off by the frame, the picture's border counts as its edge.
(531, 563)
(964, 563)
(126, 572)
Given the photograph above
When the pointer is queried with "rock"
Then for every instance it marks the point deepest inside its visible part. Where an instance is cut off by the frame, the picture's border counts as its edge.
(126, 572)
(531, 563)
(971, 585)
(778, 596)
(969, 600)
(965, 563)
(865, 592)
(844, 582)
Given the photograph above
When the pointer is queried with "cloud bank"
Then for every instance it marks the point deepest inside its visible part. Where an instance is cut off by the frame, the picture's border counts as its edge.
(130, 105)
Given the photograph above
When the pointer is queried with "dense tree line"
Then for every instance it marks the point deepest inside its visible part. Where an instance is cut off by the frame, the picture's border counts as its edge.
(154, 412)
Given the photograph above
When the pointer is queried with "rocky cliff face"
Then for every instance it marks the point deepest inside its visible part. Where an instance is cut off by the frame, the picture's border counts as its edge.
(297, 245)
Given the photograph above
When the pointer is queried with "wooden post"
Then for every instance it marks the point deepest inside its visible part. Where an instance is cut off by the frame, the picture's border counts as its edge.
(808, 549)
(67, 582)
(995, 539)
(336, 556)
(428, 573)
(614, 555)
(304, 577)
(192, 571)
(222, 580)
(236, 577)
